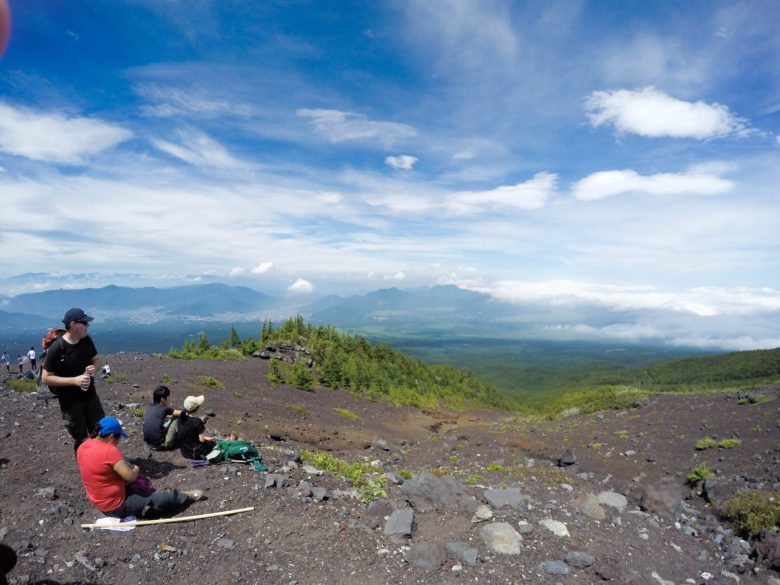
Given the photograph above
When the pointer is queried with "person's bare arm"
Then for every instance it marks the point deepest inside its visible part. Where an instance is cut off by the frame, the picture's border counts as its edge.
(51, 380)
(126, 471)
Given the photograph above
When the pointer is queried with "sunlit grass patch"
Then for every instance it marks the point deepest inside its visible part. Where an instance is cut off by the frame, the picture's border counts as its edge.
(346, 413)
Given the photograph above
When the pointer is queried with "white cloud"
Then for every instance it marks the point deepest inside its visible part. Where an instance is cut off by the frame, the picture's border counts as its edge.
(610, 183)
(237, 271)
(700, 301)
(398, 276)
(337, 126)
(174, 102)
(403, 162)
(56, 137)
(262, 268)
(330, 197)
(300, 286)
(198, 149)
(531, 194)
(652, 113)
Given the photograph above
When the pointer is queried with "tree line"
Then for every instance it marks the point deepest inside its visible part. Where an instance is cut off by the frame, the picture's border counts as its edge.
(331, 358)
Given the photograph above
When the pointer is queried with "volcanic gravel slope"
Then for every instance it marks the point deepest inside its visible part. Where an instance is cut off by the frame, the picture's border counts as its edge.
(291, 537)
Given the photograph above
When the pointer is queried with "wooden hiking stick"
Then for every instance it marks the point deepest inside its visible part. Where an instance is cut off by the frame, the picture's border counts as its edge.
(168, 520)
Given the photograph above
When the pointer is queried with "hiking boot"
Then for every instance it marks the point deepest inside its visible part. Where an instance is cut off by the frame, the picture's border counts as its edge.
(194, 495)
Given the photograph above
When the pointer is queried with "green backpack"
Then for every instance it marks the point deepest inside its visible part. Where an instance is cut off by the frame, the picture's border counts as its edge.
(236, 451)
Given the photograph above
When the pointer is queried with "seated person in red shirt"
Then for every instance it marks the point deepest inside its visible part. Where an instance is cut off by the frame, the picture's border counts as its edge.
(106, 476)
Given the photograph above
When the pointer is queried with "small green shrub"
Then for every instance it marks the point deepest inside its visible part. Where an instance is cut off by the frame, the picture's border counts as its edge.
(210, 382)
(405, 474)
(752, 510)
(474, 478)
(621, 434)
(166, 379)
(346, 413)
(706, 443)
(137, 411)
(495, 467)
(237, 394)
(121, 378)
(364, 476)
(699, 474)
(299, 409)
(729, 443)
(22, 385)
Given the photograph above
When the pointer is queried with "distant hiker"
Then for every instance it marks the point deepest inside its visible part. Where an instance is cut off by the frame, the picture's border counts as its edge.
(157, 420)
(4, 359)
(31, 356)
(191, 437)
(20, 361)
(105, 371)
(112, 484)
(69, 370)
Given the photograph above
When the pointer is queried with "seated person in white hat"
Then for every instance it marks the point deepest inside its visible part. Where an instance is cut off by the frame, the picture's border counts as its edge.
(191, 435)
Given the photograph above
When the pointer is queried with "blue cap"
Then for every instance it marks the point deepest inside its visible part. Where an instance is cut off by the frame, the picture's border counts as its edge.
(108, 425)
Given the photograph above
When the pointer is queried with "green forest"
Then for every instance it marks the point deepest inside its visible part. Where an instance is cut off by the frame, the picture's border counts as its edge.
(339, 360)
(535, 383)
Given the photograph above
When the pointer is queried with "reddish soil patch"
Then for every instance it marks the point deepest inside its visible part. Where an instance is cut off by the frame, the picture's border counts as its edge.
(292, 539)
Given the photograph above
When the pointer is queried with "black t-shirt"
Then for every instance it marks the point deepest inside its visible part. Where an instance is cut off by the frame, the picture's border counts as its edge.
(67, 360)
(154, 417)
(187, 436)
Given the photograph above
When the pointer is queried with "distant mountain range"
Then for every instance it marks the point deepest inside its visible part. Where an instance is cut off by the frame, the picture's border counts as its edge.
(156, 319)
(229, 303)
(117, 302)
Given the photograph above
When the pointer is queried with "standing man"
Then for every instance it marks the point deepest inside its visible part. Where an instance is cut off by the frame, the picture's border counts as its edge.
(6, 361)
(69, 370)
(31, 356)
(20, 361)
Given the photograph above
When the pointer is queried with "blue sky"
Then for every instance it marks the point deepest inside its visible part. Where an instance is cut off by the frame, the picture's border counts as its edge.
(623, 154)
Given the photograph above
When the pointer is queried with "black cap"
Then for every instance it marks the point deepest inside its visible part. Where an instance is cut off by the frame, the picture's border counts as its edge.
(75, 314)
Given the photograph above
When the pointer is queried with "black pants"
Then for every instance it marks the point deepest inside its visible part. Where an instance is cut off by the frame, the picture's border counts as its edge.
(81, 416)
(160, 503)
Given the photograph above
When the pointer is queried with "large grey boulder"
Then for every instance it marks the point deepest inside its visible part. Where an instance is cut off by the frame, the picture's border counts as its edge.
(463, 552)
(613, 500)
(426, 555)
(663, 497)
(376, 512)
(718, 489)
(567, 458)
(429, 493)
(589, 505)
(579, 559)
(501, 538)
(399, 525)
(506, 498)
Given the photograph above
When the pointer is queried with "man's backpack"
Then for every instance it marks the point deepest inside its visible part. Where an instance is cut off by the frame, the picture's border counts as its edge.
(53, 335)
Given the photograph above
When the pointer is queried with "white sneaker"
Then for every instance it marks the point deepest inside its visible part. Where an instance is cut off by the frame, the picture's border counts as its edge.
(195, 495)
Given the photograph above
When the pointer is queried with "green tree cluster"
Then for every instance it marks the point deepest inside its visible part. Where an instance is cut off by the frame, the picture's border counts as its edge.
(375, 371)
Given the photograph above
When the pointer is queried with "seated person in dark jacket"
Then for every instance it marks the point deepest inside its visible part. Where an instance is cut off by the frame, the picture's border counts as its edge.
(155, 417)
(190, 436)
